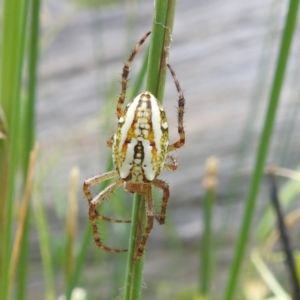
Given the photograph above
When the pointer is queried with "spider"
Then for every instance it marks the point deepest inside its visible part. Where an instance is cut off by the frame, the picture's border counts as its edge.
(140, 148)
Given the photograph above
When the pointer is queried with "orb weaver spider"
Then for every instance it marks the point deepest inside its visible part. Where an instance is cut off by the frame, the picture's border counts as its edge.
(140, 148)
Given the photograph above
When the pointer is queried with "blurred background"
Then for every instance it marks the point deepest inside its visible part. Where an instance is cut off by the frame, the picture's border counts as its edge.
(224, 54)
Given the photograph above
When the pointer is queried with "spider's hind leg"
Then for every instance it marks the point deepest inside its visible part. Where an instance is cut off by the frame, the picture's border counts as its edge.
(166, 195)
(150, 212)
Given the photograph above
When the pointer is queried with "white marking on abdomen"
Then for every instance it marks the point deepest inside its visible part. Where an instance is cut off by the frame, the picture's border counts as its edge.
(129, 117)
(147, 163)
(128, 161)
(156, 119)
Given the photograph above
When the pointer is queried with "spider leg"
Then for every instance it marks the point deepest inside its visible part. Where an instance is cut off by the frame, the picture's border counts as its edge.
(96, 180)
(166, 195)
(181, 103)
(99, 216)
(93, 214)
(150, 212)
(125, 75)
(172, 166)
(109, 143)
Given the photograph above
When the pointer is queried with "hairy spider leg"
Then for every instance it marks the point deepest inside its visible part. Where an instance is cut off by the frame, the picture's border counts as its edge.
(171, 166)
(96, 201)
(93, 215)
(181, 103)
(150, 213)
(125, 73)
(96, 180)
(110, 142)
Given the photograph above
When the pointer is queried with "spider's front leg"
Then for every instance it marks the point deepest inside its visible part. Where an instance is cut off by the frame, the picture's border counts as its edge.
(96, 180)
(125, 73)
(181, 103)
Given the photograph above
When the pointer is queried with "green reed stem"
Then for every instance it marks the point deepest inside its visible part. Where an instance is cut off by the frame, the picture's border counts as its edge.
(12, 53)
(27, 138)
(164, 13)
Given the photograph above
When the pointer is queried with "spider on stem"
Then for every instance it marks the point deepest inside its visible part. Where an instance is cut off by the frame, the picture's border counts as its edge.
(140, 148)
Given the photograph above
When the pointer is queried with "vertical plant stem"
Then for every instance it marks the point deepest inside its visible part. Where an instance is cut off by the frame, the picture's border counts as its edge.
(71, 224)
(29, 106)
(164, 12)
(134, 272)
(87, 238)
(23, 212)
(28, 123)
(263, 147)
(13, 37)
(209, 184)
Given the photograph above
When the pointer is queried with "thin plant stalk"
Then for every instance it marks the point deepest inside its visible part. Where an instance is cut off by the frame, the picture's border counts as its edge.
(263, 147)
(268, 277)
(134, 272)
(164, 13)
(23, 215)
(282, 228)
(209, 185)
(29, 105)
(288, 192)
(71, 223)
(80, 259)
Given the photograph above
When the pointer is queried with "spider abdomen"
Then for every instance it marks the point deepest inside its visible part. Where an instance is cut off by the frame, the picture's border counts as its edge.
(141, 141)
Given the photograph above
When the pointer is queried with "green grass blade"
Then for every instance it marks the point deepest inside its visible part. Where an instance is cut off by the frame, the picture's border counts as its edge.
(29, 105)
(263, 147)
(27, 138)
(164, 12)
(13, 38)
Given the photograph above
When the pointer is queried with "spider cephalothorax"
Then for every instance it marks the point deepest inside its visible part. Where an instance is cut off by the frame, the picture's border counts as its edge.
(140, 150)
